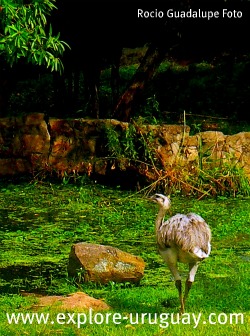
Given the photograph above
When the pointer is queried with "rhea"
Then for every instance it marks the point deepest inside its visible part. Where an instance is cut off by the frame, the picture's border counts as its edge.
(181, 238)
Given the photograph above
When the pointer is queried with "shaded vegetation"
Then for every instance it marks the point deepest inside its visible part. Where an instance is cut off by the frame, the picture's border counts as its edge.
(214, 94)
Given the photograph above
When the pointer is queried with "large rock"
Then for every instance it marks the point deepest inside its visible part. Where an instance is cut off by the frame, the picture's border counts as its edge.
(24, 144)
(100, 263)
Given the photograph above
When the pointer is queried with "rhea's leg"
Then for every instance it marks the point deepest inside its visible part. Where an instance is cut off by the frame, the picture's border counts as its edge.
(182, 303)
(188, 286)
(192, 271)
(170, 257)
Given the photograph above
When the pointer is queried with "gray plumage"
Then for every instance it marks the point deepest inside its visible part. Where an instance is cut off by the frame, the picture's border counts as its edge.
(181, 238)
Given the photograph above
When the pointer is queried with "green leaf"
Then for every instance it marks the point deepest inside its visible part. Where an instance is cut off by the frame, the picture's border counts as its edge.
(25, 35)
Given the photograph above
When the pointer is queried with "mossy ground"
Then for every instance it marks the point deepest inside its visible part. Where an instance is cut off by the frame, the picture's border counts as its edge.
(41, 220)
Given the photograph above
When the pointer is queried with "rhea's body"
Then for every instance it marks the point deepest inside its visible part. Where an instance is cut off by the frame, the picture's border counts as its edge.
(187, 235)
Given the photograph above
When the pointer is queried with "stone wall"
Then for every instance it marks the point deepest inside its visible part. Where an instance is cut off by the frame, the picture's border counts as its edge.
(33, 144)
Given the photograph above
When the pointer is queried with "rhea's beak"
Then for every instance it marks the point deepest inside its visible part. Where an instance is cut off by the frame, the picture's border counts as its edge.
(152, 198)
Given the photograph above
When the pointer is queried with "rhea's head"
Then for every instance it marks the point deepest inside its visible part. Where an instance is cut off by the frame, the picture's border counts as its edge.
(162, 200)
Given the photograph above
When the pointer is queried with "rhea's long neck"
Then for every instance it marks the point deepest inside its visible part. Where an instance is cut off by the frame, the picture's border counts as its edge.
(160, 218)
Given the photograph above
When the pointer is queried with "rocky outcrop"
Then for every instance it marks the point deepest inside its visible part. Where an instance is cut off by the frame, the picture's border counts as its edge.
(35, 144)
(102, 264)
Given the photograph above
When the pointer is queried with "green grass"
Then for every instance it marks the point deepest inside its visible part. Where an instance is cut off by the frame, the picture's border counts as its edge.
(40, 222)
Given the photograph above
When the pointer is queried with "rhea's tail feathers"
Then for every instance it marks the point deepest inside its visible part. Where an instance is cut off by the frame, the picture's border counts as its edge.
(202, 254)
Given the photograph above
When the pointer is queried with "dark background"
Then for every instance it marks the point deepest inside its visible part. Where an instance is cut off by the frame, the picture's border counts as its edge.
(98, 32)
